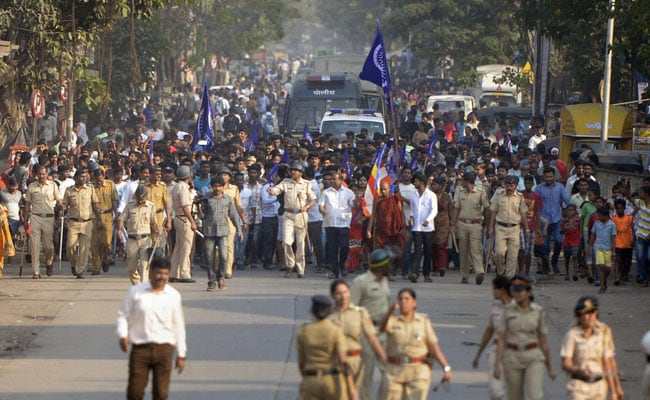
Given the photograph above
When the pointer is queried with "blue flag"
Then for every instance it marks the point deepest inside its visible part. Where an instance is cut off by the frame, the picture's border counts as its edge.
(414, 163)
(273, 172)
(432, 143)
(507, 142)
(345, 164)
(307, 135)
(285, 157)
(375, 69)
(402, 155)
(204, 124)
(391, 167)
(253, 139)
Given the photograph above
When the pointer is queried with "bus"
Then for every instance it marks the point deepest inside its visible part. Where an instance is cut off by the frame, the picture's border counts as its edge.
(313, 95)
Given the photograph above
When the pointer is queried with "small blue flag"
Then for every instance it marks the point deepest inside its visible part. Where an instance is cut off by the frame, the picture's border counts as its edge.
(285, 157)
(432, 143)
(307, 135)
(402, 155)
(375, 69)
(345, 164)
(507, 142)
(414, 163)
(204, 124)
(253, 139)
(273, 172)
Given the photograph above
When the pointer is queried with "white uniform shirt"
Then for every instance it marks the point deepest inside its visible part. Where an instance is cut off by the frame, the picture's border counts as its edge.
(150, 317)
(338, 206)
(424, 208)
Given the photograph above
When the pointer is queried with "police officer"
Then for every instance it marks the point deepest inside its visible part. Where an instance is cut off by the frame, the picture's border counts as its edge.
(470, 205)
(40, 198)
(411, 347)
(298, 198)
(139, 217)
(232, 191)
(507, 210)
(586, 355)
(370, 290)
(522, 347)
(157, 194)
(357, 325)
(103, 232)
(80, 200)
(321, 356)
(184, 225)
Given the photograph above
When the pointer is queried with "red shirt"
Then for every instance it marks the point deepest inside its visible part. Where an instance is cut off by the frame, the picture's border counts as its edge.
(571, 229)
(534, 203)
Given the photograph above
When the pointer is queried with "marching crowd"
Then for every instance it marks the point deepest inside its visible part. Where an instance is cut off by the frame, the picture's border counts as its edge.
(458, 192)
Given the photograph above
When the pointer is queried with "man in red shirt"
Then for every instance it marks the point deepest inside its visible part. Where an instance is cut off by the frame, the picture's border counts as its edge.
(534, 203)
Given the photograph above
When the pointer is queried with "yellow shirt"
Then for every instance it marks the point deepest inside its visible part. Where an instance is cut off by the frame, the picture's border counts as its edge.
(106, 195)
(409, 338)
(587, 352)
(355, 323)
(157, 194)
(79, 201)
(138, 218)
(508, 209)
(521, 326)
(470, 203)
(320, 343)
(181, 197)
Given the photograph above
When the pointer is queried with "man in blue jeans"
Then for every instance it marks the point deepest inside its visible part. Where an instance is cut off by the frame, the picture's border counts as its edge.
(642, 234)
(553, 196)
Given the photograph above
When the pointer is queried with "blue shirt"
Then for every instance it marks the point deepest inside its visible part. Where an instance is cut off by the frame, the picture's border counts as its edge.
(604, 235)
(199, 183)
(552, 199)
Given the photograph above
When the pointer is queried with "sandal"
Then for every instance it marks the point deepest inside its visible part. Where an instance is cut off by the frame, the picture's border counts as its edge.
(221, 283)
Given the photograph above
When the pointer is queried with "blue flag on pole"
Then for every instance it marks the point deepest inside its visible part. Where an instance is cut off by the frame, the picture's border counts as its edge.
(204, 124)
(345, 164)
(307, 135)
(150, 155)
(253, 139)
(285, 157)
(375, 69)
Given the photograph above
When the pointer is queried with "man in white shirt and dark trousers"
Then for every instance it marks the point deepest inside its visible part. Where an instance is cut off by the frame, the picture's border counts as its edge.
(151, 321)
(336, 204)
(424, 208)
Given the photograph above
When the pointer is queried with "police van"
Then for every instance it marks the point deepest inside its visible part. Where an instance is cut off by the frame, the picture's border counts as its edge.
(337, 121)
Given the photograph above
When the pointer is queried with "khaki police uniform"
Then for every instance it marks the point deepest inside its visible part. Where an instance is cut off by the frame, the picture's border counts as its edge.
(496, 387)
(470, 206)
(508, 210)
(79, 202)
(157, 194)
(587, 353)
(374, 295)
(523, 360)
(102, 235)
(294, 225)
(232, 191)
(318, 345)
(181, 266)
(407, 374)
(356, 325)
(39, 200)
(138, 220)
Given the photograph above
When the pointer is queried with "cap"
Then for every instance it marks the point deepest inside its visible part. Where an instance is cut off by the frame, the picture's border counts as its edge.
(92, 166)
(168, 168)
(297, 167)
(154, 168)
(645, 343)
(555, 151)
(511, 179)
(140, 192)
(225, 170)
(585, 305)
(322, 300)
(183, 172)
(519, 282)
(379, 258)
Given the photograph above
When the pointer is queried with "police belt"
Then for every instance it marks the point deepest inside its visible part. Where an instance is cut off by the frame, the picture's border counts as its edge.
(505, 224)
(521, 347)
(159, 210)
(106, 211)
(43, 215)
(407, 360)
(292, 210)
(80, 220)
(320, 372)
(352, 353)
(470, 221)
(138, 237)
(588, 379)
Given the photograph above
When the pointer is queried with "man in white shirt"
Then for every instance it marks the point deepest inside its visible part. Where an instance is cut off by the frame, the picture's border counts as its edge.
(537, 139)
(336, 204)
(151, 320)
(424, 208)
(406, 190)
(155, 133)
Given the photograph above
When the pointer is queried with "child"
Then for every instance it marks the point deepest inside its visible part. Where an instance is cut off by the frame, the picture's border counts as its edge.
(570, 227)
(603, 234)
(623, 243)
(586, 210)
(589, 251)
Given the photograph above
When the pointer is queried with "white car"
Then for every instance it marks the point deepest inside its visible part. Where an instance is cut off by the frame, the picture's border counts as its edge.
(338, 121)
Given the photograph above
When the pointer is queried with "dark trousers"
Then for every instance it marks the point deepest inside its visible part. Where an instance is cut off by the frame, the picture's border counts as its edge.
(338, 244)
(423, 243)
(212, 245)
(316, 238)
(253, 246)
(268, 235)
(150, 357)
(553, 232)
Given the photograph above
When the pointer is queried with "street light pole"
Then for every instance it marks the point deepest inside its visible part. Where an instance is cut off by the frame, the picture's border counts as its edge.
(608, 77)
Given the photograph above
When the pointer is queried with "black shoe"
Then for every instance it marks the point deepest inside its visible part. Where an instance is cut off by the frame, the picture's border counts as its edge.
(413, 277)
(267, 266)
(332, 276)
(173, 279)
(95, 273)
(344, 272)
(212, 287)
(464, 280)
(479, 278)
(301, 276)
(185, 280)
(427, 278)
(80, 276)
(105, 266)
(442, 272)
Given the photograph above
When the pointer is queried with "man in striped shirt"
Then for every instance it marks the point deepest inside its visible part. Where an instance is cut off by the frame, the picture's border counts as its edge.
(642, 234)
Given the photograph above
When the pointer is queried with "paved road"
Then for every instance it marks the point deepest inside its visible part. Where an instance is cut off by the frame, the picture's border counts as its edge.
(241, 341)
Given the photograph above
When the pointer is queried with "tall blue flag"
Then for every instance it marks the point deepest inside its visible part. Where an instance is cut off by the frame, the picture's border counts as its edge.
(307, 135)
(375, 69)
(253, 139)
(204, 124)
(432, 143)
(285, 157)
(345, 164)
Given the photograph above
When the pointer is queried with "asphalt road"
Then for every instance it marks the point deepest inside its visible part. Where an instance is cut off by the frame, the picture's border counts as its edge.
(58, 334)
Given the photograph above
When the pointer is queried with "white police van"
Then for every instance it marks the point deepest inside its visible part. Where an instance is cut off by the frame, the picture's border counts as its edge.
(338, 121)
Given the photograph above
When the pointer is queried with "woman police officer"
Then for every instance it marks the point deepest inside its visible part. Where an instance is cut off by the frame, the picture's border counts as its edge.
(522, 346)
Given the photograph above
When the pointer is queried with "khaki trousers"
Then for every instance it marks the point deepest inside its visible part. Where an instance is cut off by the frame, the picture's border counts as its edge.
(368, 366)
(524, 373)
(41, 235)
(294, 226)
(470, 241)
(101, 241)
(137, 259)
(496, 386)
(506, 242)
(79, 234)
(162, 244)
(181, 266)
(407, 381)
(230, 249)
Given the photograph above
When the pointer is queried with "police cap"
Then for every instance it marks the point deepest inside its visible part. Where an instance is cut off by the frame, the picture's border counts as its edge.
(585, 305)
(379, 258)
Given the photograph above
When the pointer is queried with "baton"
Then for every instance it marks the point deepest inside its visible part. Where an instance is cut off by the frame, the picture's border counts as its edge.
(153, 250)
(61, 243)
(199, 233)
(453, 242)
